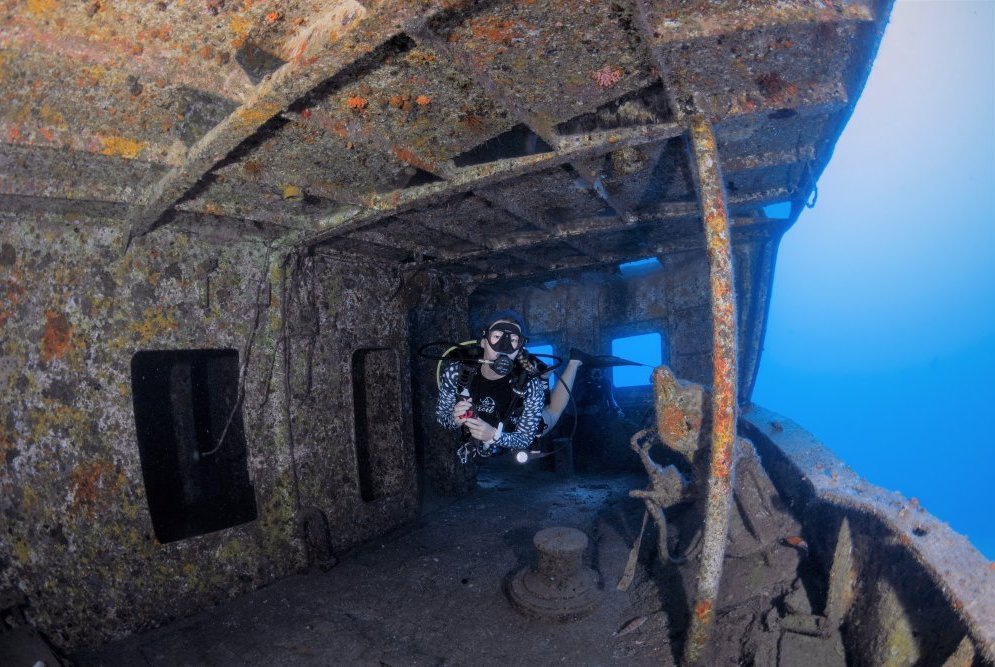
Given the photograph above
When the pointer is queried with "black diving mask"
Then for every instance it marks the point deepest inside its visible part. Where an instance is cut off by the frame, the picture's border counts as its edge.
(505, 337)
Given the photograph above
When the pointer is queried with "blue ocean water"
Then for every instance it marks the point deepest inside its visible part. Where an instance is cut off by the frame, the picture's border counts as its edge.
(881, 337)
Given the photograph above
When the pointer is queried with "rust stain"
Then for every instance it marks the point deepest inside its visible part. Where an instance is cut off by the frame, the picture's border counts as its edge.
(796, 541)
(6, 445)
(257, 114)
(252, 167)
(12, 292)
(58, 333)
(407, 156)
(42, 8)
(122, 147)
(492, 29)
(95, 484)
(672, 423)
(241, 27)
(703, 610)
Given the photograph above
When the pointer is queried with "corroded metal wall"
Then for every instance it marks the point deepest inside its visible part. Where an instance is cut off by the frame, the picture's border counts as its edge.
(77, 543)
(78, 540)
(341, 312)
(589, 311)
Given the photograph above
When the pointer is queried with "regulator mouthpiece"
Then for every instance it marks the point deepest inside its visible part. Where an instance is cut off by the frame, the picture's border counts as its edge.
(502, 365)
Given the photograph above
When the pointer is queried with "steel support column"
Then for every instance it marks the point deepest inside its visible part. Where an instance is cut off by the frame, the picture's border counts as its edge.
(711, 194)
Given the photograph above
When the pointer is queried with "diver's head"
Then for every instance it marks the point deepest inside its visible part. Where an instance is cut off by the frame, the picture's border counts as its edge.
(503, 339)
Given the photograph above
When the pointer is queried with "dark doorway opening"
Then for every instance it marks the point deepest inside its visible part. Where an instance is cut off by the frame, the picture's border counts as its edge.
(191, 441)
(377, 407)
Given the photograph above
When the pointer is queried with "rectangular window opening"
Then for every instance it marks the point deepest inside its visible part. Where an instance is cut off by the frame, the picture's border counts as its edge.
(377, 416)
(183, 400)
(640, 267)
(645, 349)
(778, 211)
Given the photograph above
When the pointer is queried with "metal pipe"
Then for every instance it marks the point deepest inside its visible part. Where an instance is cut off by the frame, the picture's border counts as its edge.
(711, 193)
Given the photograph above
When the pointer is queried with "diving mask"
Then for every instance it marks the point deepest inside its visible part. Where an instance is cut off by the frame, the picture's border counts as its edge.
(505, 337)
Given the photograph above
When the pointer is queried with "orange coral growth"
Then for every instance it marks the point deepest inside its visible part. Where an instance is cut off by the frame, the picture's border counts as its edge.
(422, 100)
(356, 103)
(273, 17)
(55, 339)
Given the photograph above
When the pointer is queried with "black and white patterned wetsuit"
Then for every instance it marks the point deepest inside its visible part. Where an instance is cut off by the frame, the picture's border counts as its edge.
(492, 400)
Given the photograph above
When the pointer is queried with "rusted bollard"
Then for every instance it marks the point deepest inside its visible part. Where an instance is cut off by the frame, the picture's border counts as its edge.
(559, 587)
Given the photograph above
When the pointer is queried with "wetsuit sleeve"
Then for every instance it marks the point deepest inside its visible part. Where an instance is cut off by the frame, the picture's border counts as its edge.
(528, 424)
(447, 395)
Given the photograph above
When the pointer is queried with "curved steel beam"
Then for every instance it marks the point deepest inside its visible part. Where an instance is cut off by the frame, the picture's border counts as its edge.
(718, 246)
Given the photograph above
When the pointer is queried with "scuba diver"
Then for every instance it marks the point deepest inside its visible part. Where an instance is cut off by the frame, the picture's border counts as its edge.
(498, 394)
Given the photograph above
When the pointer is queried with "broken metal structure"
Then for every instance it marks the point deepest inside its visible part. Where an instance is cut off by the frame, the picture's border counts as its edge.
(280, 201)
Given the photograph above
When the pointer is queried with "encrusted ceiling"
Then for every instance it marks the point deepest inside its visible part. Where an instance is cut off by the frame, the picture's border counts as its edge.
(497, 138)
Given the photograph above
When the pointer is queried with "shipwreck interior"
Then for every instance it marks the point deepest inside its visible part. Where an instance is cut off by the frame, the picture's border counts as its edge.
(227, 230)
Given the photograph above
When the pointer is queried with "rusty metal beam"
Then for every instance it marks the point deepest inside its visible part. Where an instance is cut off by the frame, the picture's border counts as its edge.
(359, 32)
(378, 207)
(487, 247)
(761, 230)
(574, 232)
(532, 217)
(711, 192)
(673, 24)
(672, 86)
(545, 128)
(589, 264)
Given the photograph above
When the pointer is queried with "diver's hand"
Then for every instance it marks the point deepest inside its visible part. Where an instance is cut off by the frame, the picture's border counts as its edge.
(480, 429)
(460, 409)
